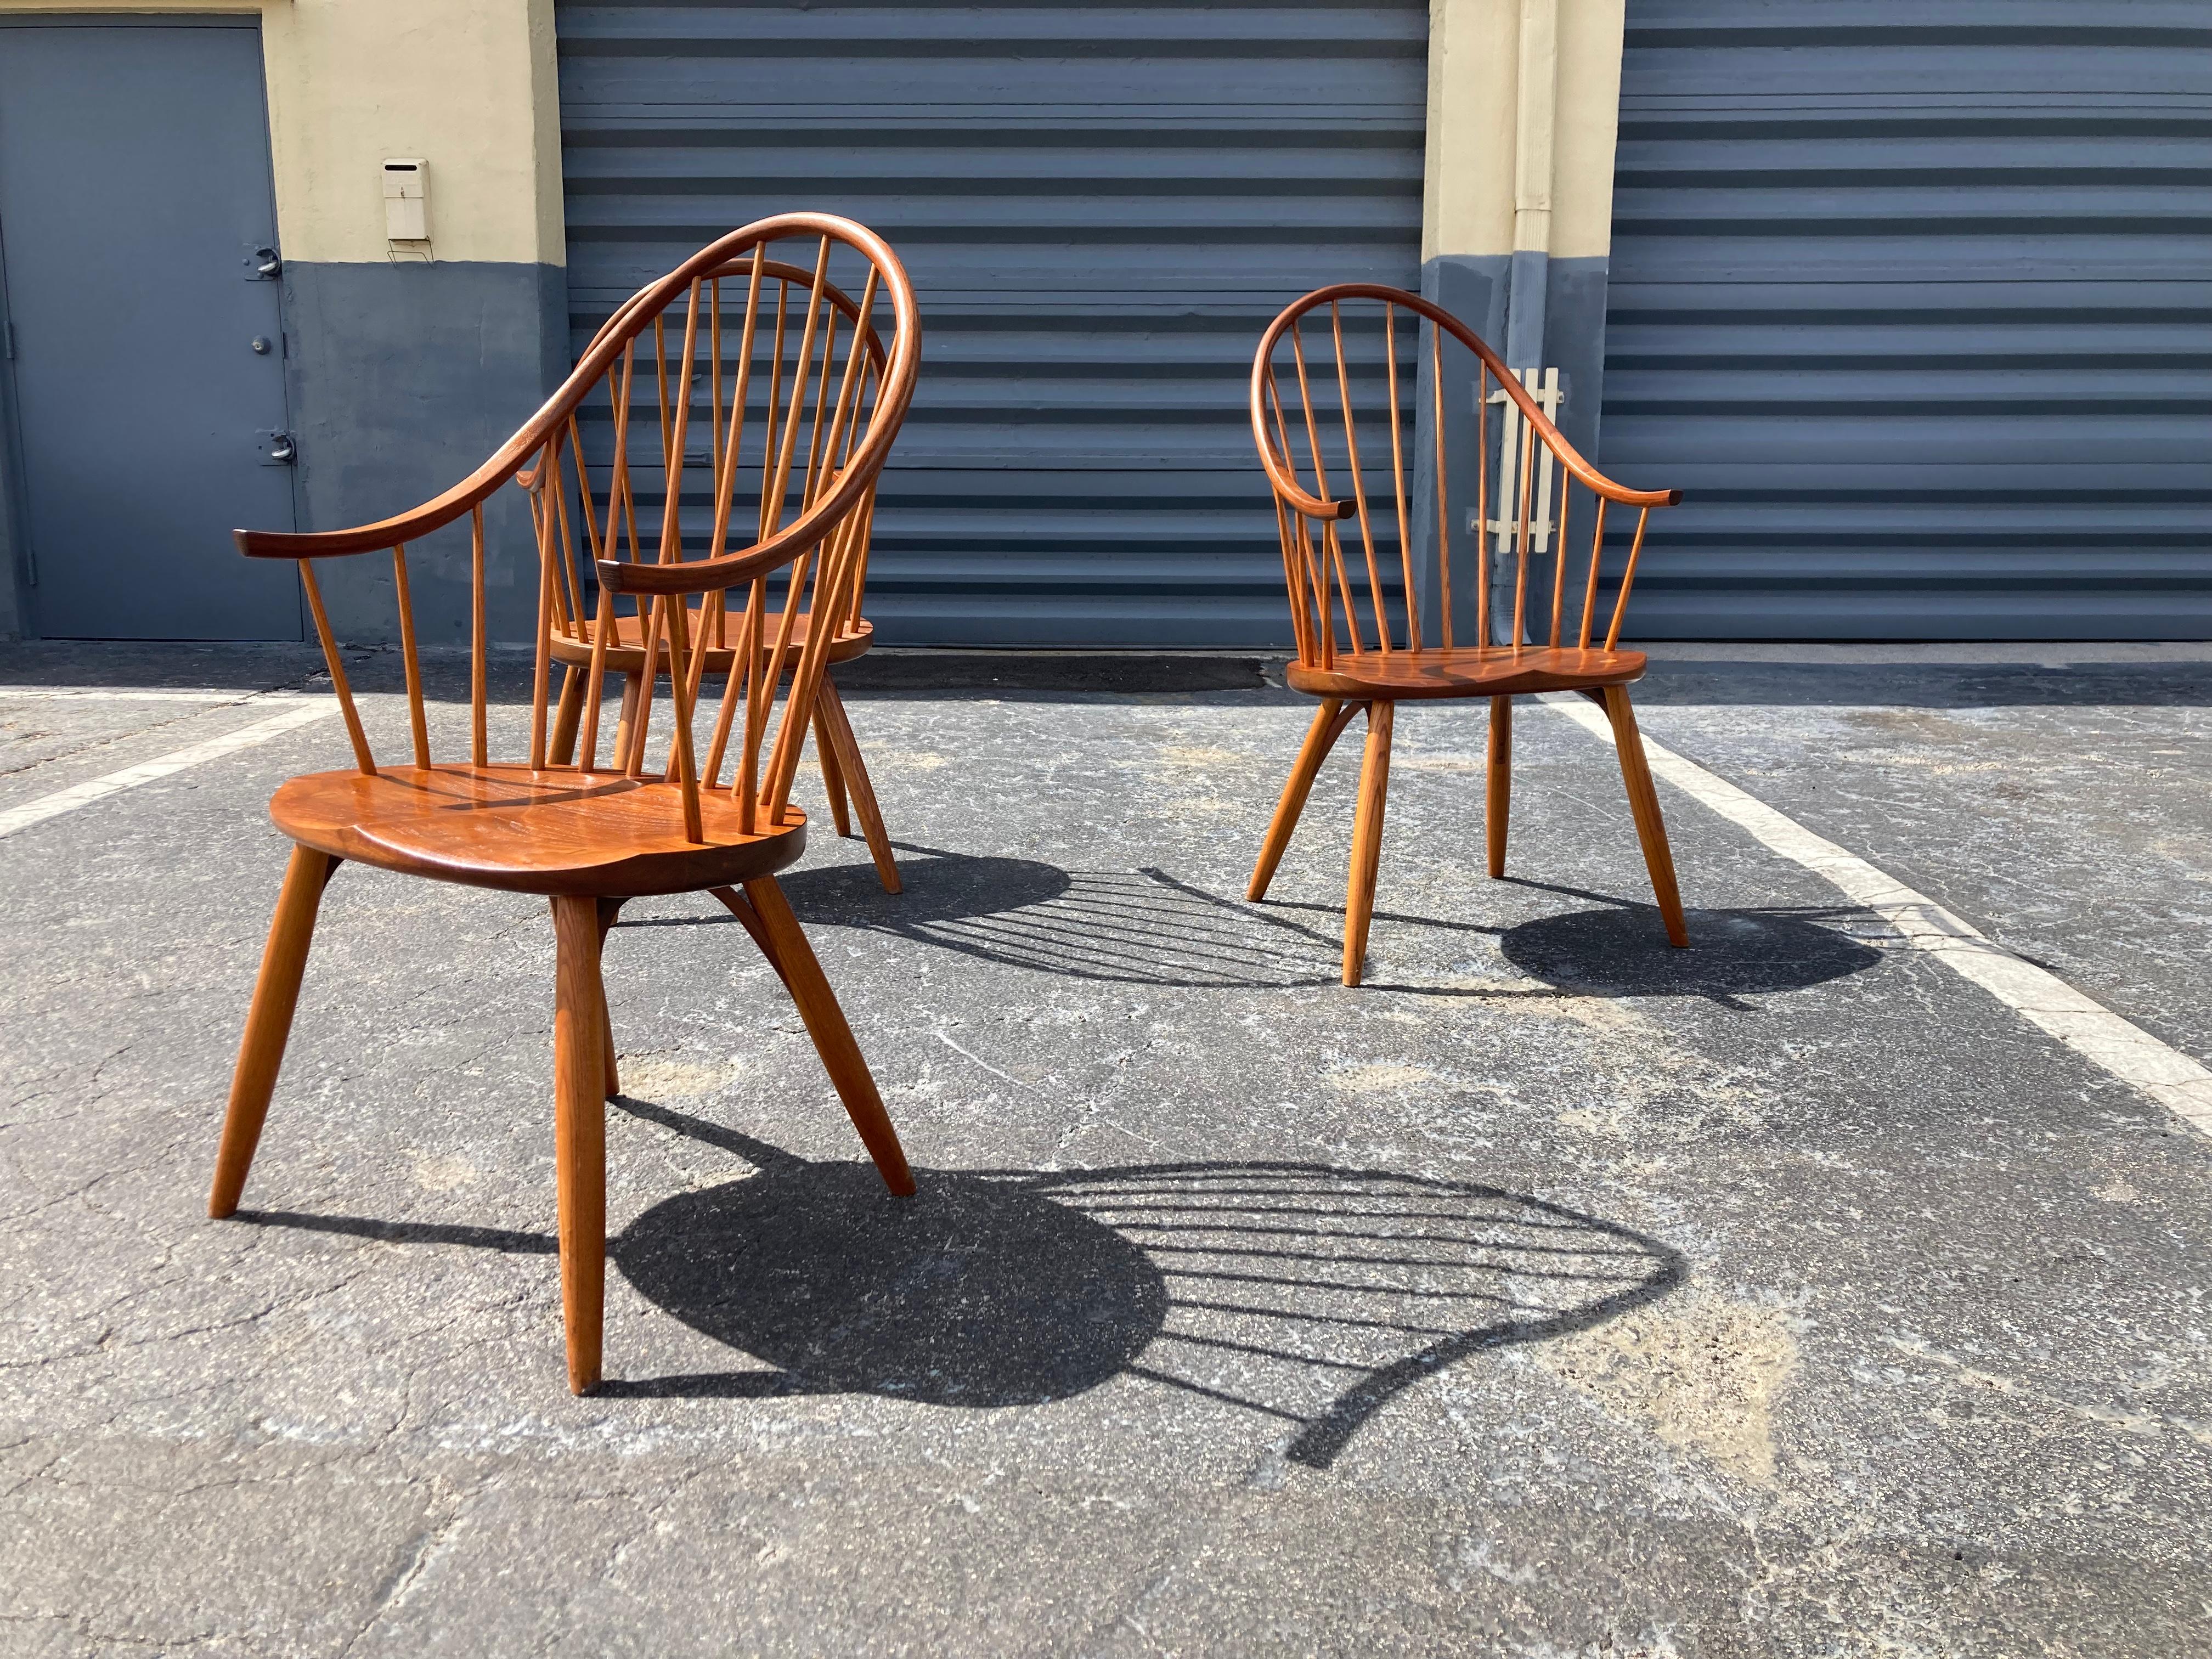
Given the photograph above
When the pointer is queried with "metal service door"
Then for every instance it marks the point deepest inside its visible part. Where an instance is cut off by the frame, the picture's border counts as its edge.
(145, 341)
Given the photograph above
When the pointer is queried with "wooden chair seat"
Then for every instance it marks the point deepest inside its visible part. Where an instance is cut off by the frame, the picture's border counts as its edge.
(626, 649)
(550, 831)
(1468, 671)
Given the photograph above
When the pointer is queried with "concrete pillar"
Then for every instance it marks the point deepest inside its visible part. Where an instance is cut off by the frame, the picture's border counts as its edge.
(409, 364)
(1525, 101)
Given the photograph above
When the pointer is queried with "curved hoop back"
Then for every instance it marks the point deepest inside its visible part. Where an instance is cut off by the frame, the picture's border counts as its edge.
(743, 451)
(1349, 401)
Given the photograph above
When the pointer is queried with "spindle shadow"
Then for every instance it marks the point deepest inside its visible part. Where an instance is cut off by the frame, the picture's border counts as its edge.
(1131, 927)
(1307, 1295)
(1144, 927)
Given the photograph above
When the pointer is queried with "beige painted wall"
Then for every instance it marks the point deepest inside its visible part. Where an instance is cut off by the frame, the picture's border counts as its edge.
(1488, 134)
(468, 85)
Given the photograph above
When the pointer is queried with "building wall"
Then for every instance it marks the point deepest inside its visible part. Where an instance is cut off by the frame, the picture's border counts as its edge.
(1524, 100)
(1517, 222)
(1100, 209)
(404, 370)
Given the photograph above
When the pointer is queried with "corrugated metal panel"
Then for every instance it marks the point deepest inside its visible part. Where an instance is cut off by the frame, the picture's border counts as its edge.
(1914, 299)
(1101, 207)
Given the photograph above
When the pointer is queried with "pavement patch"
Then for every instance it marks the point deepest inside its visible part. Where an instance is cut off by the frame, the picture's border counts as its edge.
(1703, 1372)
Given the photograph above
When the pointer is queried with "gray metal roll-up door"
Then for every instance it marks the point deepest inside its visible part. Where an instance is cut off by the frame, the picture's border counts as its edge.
(1101, 207)
(1913, 299)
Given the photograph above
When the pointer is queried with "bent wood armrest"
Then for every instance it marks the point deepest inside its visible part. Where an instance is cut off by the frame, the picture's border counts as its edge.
(619, 577)
(378, 537)
(707, 575)
(1312, 506)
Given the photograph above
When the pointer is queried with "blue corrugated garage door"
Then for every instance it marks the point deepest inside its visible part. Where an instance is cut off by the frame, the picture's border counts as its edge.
(1101, 207)
(1914, 298)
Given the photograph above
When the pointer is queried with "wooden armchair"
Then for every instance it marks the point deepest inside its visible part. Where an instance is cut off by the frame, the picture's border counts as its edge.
(591, 834)
(1358, 615)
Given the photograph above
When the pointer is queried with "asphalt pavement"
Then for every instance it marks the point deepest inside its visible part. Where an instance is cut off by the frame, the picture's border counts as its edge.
(1556, 1293)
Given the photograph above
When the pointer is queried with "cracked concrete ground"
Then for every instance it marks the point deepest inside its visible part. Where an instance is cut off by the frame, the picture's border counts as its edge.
(1555, 1294)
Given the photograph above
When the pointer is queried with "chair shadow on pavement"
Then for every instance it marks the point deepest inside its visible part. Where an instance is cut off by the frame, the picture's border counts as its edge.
(1305, 1294)
(1115, 926)
(1620, 950)
(1144, 927)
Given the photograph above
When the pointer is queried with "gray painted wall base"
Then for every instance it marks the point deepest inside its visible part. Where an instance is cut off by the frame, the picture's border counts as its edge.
(405, 377)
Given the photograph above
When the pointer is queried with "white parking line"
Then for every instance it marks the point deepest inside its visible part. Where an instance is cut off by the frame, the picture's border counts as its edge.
(102, 694)
(83, 794)
(2091, 1030)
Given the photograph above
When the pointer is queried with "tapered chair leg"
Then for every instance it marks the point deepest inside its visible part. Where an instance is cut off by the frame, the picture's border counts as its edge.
(781, 941)
(579, 1131)
(833, 779)
(633, 694)
(853, 773)
(268, 1023)
(1329, 723)
(1498, 801)
(1643, 803)
(742, 907)
(610, 913)
(561, 749)
(1367, 839)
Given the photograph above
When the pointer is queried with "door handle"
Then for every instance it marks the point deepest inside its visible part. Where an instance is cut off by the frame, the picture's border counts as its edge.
(277, 448)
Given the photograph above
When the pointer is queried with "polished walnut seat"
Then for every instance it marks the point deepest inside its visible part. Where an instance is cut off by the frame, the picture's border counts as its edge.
(801, 425)
(549, 831)
(1497, 671)
(1361, 428)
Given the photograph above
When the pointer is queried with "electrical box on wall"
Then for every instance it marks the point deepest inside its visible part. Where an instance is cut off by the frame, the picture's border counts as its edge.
(407, 205)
